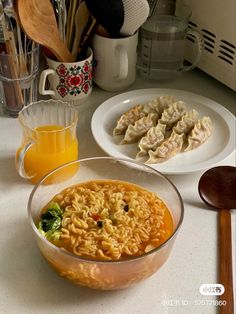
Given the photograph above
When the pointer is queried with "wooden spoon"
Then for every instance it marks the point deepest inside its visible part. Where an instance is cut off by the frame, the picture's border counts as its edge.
(217, 188)
(39, 23)
(81, 20)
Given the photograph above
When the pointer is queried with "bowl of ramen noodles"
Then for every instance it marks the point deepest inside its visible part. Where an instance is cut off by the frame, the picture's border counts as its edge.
(110, 225)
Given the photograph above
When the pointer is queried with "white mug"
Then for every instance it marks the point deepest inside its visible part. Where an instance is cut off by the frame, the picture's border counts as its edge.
(68, 81)
(114, 61)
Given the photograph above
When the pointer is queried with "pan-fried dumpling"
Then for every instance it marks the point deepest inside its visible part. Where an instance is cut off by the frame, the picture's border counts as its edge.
(200, 133)
(172, 114)
(158, 104)
(127, 118)
(169, 148)
(187, 122)
(136, 131)
(153, 138)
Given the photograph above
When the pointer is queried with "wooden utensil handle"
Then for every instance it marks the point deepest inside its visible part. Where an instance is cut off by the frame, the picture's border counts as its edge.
(14, 70)
(9, 89)
(90, 31)
(62, 53)
(12, 60)
(225, 267)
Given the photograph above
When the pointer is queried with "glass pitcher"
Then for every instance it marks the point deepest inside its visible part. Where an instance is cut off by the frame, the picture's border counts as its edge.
(162, 42)
(49, 138)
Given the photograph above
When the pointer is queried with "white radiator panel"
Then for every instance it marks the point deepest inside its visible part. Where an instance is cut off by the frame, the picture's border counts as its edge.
(216, 21)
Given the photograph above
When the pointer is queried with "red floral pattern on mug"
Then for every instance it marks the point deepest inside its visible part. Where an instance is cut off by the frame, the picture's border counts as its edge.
(86, 87)
(86, 67)
(74, 79)
(62, 70)
(62, 90)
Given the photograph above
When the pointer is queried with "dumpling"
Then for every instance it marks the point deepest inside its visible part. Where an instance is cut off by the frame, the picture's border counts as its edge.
(153, 138)
(200, 133)
(169, 148)
(127, 118)
(172, 114)
(187, 122)
(136, 131)
(158, 104)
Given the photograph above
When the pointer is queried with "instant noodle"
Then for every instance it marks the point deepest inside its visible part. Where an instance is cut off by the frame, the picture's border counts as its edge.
(106, 220)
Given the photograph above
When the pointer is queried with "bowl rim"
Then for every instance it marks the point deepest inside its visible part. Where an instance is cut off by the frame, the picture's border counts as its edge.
(93, 260)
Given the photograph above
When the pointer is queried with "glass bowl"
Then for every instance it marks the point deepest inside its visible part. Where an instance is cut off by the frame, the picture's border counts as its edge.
(101, 274)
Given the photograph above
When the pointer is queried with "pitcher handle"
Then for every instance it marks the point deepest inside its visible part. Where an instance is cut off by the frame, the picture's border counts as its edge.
(42, 82)
(199, 47)
(19, 160)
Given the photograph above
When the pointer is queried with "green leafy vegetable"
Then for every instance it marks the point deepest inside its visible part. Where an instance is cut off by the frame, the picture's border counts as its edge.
(53, 236)
(50, 222)
(55, 206)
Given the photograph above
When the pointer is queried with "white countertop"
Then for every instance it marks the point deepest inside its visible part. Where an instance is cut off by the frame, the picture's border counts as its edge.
(29, 285)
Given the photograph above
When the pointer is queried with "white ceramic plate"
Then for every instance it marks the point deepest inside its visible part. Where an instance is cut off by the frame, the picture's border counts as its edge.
(220, 145)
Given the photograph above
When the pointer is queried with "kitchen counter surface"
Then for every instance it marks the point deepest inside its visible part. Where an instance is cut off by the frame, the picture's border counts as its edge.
(29, 285)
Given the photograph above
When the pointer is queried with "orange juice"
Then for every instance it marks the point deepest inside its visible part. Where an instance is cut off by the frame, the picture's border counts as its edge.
(53, 146)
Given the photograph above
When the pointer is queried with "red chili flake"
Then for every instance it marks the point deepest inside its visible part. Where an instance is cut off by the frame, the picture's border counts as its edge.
(96, 217)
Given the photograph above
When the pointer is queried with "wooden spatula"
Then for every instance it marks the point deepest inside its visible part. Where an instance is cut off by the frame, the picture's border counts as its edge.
(81, 21)
(39, 23)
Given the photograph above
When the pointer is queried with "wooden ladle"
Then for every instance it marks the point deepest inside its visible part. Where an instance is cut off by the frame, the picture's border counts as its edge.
(217, 188)
(39, 23)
